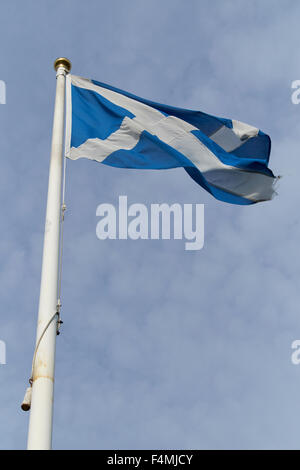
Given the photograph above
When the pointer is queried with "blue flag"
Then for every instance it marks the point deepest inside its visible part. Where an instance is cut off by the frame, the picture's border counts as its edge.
(226, 157)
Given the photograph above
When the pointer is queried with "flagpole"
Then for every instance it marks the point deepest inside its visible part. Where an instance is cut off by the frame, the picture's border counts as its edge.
(41, 412)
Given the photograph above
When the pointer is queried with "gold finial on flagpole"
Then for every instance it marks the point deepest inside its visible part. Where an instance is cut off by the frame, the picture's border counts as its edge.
(63, 62)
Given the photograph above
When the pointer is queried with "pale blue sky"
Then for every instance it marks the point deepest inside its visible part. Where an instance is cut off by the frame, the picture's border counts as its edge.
(160, 347)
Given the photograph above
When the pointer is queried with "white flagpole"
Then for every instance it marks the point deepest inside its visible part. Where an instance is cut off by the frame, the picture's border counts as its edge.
(40, 423)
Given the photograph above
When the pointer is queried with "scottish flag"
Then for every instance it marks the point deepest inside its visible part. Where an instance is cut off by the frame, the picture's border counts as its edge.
(227, 158)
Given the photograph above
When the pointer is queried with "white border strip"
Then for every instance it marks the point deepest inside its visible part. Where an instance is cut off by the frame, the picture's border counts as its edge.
(68, 116)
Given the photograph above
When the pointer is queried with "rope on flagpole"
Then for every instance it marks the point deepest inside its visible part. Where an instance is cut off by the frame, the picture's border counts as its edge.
(61, 245)
(27, 399)
(38, 343)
